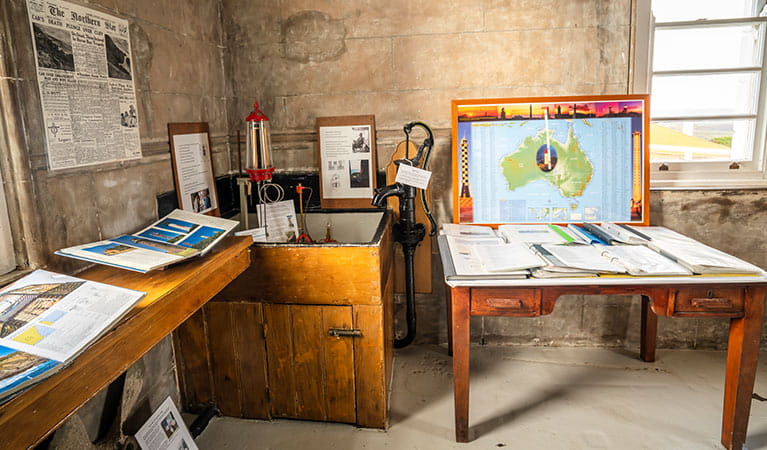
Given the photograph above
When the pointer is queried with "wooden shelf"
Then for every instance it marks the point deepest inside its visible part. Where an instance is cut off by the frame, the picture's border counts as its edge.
(172, 296)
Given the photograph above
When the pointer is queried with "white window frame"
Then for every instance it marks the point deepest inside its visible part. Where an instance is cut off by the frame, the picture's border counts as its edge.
(701, 174)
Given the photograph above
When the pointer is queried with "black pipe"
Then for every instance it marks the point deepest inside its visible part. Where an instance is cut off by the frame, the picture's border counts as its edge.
(407, 231)
(409, 252)
(201, 422)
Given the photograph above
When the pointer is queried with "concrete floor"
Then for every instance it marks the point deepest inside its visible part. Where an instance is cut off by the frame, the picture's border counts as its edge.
(531, 398)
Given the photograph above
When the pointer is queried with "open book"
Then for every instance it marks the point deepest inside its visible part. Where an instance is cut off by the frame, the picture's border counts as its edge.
(47, 319)
(586, 259)
(694, 255)
(178, 236)
(471, 255)
(642, 261)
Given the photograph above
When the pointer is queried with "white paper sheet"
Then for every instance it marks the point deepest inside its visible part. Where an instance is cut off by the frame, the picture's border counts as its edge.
(165, 429)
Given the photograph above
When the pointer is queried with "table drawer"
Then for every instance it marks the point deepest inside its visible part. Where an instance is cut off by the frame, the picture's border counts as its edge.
(722, 302)
(506, 302)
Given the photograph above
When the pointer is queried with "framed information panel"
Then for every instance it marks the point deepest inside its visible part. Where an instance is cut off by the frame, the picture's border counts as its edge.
(192, 160)
(551, 160)
(347, 156)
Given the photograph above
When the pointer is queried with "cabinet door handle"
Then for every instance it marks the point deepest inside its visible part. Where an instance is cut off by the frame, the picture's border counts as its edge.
(711, 302)
(344, 332)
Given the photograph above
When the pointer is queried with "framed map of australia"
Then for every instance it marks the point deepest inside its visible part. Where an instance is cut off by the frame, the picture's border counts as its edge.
(551, 160)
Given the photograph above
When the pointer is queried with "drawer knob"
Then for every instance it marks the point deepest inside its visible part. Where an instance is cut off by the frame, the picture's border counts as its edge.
(711, 302)
(344, 332)
(509, 303)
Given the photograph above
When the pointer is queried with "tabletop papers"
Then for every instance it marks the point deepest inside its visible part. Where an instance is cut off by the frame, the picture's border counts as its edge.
(552, 251)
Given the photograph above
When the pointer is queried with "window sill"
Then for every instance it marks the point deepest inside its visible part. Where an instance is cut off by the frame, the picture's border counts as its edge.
(707, 180)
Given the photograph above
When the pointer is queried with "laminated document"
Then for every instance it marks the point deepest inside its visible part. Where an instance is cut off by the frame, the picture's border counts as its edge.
(174, 238)
(578, 258)
(47, 319)
(694, 255)
(165, 429)
(507, 257)
(642, 261)
(466, 260)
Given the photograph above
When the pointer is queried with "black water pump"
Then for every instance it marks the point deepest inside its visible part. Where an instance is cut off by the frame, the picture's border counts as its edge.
(407, 231)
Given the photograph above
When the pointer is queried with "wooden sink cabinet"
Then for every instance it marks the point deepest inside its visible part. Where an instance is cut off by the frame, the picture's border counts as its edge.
(305, 333)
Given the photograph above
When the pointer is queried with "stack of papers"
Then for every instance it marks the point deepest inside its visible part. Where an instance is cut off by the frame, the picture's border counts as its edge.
(546, 251)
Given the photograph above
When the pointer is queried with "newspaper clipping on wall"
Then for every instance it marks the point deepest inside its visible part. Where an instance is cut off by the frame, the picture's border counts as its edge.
(85, 78)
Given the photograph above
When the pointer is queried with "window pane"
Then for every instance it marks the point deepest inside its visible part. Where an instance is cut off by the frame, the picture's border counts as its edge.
(702, 140)
(683, 10)
(708, 48)
(704, 95)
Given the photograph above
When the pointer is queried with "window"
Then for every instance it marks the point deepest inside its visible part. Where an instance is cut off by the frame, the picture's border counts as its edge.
(708, 94)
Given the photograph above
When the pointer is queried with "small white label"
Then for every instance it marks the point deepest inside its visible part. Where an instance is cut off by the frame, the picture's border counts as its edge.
(413, 176)
(258, 234)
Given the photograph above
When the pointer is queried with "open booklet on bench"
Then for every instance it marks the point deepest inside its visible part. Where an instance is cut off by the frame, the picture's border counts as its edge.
(178, 236)
(48, 319)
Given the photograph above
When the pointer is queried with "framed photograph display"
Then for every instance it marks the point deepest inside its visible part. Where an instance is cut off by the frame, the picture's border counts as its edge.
(192, 162)
(551, 160)
(347, 156)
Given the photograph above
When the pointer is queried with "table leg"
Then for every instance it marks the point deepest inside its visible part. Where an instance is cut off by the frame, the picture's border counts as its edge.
(461, 332)
(449, 310)
(742, 356)
(649, 331)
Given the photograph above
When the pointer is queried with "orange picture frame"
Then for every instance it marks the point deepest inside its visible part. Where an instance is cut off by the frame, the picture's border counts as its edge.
(499, 127)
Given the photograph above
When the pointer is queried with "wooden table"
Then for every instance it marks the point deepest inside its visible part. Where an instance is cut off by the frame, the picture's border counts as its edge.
(172, 296)
(741, 299)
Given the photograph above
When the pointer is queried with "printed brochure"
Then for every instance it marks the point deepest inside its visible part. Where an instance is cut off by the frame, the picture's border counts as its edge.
(174, 238)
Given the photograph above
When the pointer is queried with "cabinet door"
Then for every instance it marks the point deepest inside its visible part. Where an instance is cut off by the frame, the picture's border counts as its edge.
(311, 374)
(221, 357)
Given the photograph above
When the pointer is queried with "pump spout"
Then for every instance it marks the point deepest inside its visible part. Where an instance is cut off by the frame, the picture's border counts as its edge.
(385, 192)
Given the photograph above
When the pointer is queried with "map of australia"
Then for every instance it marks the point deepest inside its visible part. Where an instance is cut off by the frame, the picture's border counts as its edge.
(564, 166)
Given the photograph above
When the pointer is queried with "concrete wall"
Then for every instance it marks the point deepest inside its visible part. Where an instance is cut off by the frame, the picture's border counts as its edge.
(177, 59)
(401, 60)
(405, 60)
(178, 63)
